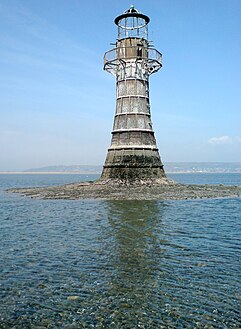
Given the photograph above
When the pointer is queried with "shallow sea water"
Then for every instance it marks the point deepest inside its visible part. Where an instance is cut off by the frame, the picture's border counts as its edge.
(119, 264)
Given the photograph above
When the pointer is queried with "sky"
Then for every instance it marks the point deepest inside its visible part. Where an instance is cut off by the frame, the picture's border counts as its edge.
(57, 103)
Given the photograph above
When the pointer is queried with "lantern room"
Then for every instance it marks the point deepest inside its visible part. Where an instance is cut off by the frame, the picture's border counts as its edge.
(132, 24)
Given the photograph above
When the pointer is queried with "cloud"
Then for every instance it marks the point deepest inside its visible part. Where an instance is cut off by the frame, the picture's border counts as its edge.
(220, 140)
(224, 140)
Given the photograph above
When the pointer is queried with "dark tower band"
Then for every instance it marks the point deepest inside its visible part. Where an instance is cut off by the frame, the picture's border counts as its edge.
(133, 154)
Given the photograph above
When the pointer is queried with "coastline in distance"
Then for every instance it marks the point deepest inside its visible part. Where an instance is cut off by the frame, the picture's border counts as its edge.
(170, 167)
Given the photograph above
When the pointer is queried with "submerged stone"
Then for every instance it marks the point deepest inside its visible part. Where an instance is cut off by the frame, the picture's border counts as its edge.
(73, 298)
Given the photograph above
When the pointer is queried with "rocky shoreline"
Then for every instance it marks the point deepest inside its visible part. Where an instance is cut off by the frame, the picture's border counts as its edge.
(164, 190)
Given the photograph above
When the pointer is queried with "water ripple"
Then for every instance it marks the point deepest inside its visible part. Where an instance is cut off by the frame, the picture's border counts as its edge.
(120, 264)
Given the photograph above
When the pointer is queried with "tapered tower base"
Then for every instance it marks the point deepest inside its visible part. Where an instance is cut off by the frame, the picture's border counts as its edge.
(133, 166)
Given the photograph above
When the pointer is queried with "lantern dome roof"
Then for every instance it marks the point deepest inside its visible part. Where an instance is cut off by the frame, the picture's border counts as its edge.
(132, 12)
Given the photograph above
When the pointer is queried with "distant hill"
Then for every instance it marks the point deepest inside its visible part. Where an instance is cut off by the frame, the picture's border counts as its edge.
(170, 167)
(202, 167)
(78, 169)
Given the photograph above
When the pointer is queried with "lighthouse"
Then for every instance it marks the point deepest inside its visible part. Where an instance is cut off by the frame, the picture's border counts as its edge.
(133, 155)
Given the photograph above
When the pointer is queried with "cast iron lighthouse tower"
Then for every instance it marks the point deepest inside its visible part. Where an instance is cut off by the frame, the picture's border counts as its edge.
(133, 154)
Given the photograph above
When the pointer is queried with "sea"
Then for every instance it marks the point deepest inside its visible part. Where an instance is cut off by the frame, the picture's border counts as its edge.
(119, 264)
